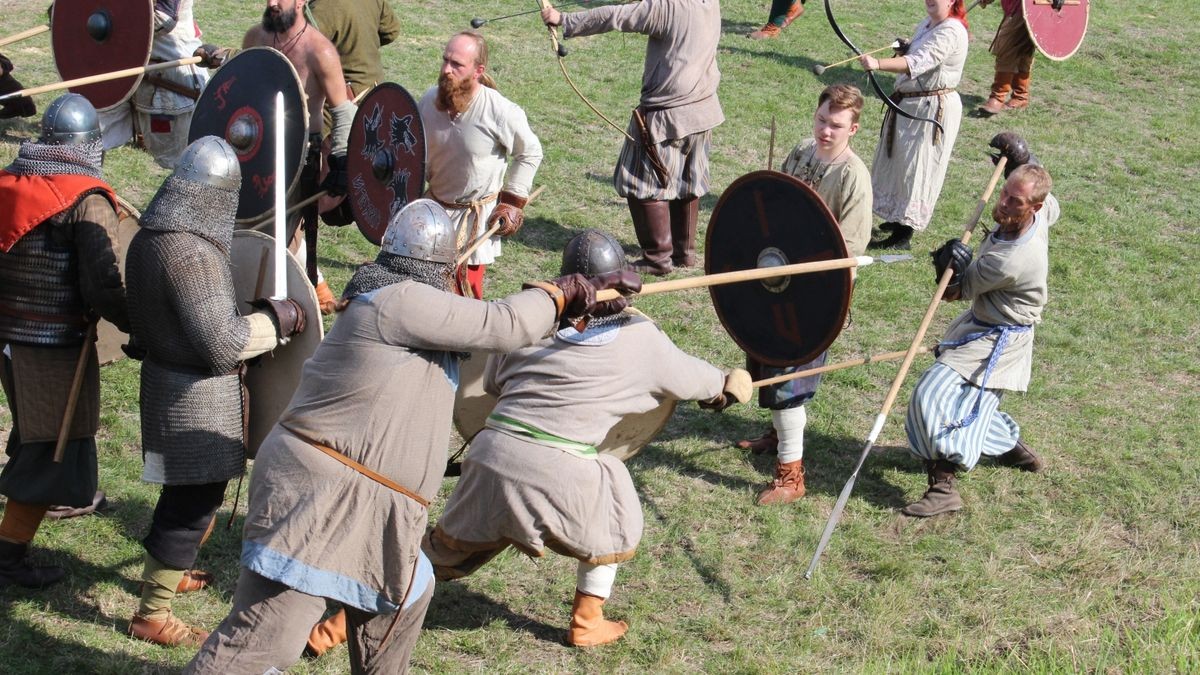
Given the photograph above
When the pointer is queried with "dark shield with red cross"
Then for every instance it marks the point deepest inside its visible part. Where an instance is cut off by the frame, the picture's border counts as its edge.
(238, 105)
(768, 219)
(1056, 28)
(385, 165)
(92, 37)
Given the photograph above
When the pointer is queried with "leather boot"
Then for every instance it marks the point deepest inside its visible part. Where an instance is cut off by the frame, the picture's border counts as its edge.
(325, 299)
(652, 223)
(684, 213)
(326, 635)
(1020, 92)
(1001, 86)
(793, 13)
(788, 485)
(941, 497)
(589, 628)
(1021, 457)
(15, 571)
(194, 580)
(170, 632)
(900, 238)
(99, 503)
(768, 442)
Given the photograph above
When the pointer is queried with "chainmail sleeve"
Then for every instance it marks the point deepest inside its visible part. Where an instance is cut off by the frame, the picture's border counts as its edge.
(95, 241)
(207, 311)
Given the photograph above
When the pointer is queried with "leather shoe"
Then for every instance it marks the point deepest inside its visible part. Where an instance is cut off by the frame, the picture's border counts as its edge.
(170, 632)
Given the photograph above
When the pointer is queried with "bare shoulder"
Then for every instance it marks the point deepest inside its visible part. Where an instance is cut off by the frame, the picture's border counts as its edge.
(321, 53)
(255, 37)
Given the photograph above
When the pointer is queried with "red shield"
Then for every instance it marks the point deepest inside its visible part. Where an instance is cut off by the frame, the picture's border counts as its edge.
(90, 37)
(1057, 33)
(386, 162)
(768, 218)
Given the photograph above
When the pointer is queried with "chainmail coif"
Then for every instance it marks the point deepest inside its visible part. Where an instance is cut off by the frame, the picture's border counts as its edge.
(197, 208)
(44, 159)
(390, 268)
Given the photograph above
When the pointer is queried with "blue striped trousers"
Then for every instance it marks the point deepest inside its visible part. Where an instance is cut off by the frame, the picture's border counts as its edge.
(941, 397)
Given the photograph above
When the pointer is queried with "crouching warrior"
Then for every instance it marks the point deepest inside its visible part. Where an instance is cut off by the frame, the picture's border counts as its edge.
(58, 271)
(184, 314)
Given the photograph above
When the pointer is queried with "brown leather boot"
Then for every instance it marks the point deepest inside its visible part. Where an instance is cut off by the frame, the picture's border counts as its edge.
(16, 571)
(941, 497)
(325, 299)
(767, 32)
(794, 13)
(1020, 92)
(684, 213)
(1001, 86)
(652, 224)
(170, 632)
(589, 628)
(326, 635)
(194, 580)
(1021, 457)
(768, 442)
(788, 485)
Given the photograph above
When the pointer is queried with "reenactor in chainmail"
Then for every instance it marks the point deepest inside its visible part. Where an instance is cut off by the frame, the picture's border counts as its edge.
(58, 272)
(341, 486)
(184, 315)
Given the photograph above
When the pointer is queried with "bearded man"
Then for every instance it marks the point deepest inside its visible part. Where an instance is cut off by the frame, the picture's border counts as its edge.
(481, 155)
(58, 272)
(953, 417)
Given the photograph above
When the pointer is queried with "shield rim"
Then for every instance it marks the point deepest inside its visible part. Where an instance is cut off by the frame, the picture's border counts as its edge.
(831, 335)
(135, 80)
(248, 222)
(377, 238)
(1087, 15)
(109, 338)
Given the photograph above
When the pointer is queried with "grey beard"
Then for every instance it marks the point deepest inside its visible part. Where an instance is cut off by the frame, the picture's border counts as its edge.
(389, 268)
(44, 159)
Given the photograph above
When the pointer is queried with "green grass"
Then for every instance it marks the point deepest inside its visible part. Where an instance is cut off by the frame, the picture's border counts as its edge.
(1091, 566)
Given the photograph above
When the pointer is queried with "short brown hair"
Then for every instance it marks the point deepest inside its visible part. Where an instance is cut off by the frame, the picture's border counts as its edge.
(1037, 176)
(481, 55)
(842, 97)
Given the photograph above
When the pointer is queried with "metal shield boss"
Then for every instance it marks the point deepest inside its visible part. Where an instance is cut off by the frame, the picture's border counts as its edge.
(767, 219)
(1057, 33)
(109, 338)
(238, 105)
(385, 164)
(91, 37)
(272, 378)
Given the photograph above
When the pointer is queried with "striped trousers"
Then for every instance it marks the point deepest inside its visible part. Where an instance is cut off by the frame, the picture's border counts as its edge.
(941, 397)
(686, 160)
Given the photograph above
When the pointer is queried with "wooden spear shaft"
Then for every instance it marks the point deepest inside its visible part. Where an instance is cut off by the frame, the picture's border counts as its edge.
(102, 77)
(886, 408)
(742, 275)
(841, 365)
(64, 429)
(24, 35)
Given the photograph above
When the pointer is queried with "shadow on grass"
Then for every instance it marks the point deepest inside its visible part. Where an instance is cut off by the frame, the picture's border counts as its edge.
(456, 607)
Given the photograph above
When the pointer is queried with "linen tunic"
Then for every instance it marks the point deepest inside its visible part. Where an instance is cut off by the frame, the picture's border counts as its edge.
(468, 159)
(357, 28)
(907, 183)
(530, 493)
(379, 390)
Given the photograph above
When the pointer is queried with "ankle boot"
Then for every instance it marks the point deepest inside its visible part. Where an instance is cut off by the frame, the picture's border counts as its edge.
(15, 571)
(652, 224)
(1001, 86)
(684, 213)
(169, 632)
(941, 497)
(768, 442)
(1020, 91)
(900, 238)
(326, 635)
(1021, 457)
(788, 485)
(589, 628)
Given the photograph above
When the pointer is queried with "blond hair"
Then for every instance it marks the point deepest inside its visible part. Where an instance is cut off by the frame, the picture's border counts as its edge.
(842, 97)
(1037, 177)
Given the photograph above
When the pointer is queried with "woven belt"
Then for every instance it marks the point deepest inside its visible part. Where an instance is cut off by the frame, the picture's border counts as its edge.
(463, 237)
(889, 117)
(377, 477)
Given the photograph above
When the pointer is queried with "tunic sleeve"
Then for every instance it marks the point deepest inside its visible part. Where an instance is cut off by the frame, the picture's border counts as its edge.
(791, 165)
(389, 25)
(95, 240)
(854, 210)
(419, 316)
(680, 376)
(524, 150)
(947, 38)
(646, 17)
(989, 272)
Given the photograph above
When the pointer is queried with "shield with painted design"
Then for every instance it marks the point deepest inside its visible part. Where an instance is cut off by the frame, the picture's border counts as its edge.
(238, 105)
(91, 37)
(385, 165)
(768, 219)
(1056, 27)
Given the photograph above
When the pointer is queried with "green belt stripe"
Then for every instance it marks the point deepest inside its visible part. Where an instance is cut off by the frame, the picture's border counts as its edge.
(498, 421)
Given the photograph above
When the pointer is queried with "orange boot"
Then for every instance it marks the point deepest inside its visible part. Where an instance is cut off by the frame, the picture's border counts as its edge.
(788, 485)
(1001, 86)
(1020, 91)
(325, 299)
(326, 635)
(589, 628)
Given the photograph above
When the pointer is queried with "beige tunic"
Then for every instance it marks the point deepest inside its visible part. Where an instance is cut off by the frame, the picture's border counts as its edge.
(907, 183)
(380, 390)
(534, 495)
(1007, 283)
(680, 76)
(845, 187)
(472, 157)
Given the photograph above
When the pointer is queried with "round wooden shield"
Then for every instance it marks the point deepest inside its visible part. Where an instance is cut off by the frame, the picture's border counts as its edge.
(90, 37)
(108, 337)
(273, 377)
(386, 162)
(1057, 33)
(238, 105)
(472, 405)
(768, 218)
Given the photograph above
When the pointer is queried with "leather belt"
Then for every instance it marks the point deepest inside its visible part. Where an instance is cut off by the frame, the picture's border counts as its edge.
(889, 119)
(377, 477)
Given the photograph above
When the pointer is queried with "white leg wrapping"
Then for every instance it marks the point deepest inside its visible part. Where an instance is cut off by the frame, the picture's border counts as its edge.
(595, 580)
(789, 424)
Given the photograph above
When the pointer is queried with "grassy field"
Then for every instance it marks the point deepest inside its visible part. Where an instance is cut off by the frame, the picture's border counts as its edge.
(1093, 565)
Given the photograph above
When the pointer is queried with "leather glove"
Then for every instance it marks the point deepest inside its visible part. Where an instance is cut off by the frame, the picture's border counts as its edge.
(289, 315)
(337, 179)
(509, 212)
(1011, 145)
(902, 46)
(738, 389)
(212, 56)
(625, 282)
(953, 254)
(574, 295)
